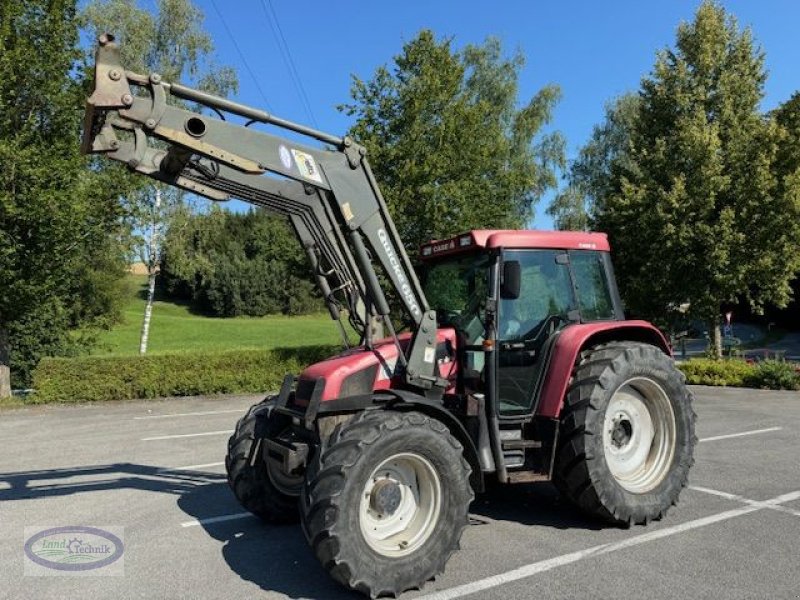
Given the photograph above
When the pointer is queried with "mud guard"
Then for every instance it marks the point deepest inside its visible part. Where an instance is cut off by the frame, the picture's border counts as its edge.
(405, 400)
(573, 340)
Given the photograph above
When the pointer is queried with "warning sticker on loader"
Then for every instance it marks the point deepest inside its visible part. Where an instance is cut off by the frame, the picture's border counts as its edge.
(307, 166)
(430, 355)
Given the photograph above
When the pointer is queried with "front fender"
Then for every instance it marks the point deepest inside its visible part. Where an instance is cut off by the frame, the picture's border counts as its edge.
(405, 400)
(572, 340)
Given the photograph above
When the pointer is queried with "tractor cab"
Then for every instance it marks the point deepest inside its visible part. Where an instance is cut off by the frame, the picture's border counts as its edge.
(509, 295)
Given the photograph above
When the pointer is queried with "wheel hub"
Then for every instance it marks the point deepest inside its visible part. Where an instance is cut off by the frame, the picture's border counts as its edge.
(385, 497)
(622, 431)
(639, 435)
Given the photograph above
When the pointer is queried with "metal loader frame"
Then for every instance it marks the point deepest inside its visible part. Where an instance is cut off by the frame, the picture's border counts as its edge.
(330, 196)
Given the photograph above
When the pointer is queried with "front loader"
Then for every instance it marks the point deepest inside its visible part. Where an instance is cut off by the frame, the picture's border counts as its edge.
(517, 364)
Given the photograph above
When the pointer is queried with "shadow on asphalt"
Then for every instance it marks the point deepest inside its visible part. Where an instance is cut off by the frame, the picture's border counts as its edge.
(278, 559)
(274, 557)
(48, 483)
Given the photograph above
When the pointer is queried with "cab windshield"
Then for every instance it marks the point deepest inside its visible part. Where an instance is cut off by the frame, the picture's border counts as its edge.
(457, 289)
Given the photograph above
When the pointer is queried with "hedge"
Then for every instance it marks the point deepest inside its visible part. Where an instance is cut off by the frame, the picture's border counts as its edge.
(99, 378)
(768, 374)
(707, 371)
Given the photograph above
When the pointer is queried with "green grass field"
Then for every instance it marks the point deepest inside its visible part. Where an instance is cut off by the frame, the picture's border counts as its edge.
(174, 328)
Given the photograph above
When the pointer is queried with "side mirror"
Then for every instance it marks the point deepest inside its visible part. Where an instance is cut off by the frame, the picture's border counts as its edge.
(510, 284)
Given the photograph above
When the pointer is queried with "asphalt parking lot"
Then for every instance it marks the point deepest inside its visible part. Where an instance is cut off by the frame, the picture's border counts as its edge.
(155, 469)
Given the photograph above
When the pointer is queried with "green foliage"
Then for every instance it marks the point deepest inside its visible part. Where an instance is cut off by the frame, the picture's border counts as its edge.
(709, 371)
(569, 210)
(60, 257)
(768, 374)
(94, 379)
(228, 264)
(693, 206)
(774, 375)
(450, 146)
(170, 41)
(589, 177)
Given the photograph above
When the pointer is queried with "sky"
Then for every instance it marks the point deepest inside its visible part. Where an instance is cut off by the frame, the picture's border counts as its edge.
(594, 50)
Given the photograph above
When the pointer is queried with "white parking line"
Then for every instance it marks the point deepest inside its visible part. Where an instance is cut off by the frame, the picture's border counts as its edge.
(191, 467)
(558, 561)
(219, 519)
(743, 500)
(740, 434)
(192, 414)
(186, 435)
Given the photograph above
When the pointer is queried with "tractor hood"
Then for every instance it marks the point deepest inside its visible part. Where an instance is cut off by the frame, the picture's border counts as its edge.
(361, 371)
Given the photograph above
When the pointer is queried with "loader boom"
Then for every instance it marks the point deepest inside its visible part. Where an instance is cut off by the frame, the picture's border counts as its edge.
(329, 195)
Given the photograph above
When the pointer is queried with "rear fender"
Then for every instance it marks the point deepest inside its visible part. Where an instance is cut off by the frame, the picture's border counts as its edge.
(574, 339)
(402, 400)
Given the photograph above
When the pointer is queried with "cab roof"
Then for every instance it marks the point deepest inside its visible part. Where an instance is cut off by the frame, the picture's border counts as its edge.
(513, 238)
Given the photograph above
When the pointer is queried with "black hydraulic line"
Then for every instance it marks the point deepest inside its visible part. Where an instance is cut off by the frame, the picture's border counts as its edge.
(320, 226)
(375, 291)
(393, 334)
(322, 282)
(288, 197)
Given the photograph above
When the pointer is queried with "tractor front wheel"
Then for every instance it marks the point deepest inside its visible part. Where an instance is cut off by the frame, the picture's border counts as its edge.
(627, 437)
(386, 501)
(258, 486)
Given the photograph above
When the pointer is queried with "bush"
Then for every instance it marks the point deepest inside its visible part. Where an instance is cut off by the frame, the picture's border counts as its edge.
(95, 378)
(708, 371)
(768, 374)
(774, 375)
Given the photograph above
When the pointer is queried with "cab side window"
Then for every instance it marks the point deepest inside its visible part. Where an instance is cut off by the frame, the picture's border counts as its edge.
(545, 290)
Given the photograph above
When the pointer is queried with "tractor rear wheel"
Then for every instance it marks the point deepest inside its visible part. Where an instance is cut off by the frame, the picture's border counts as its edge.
(627, 438)
(259, 487)
(386, 501)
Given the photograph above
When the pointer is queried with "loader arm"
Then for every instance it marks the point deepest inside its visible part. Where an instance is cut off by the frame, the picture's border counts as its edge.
(329, 195)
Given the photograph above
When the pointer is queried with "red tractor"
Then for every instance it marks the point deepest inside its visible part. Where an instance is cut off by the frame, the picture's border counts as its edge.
(518, 364)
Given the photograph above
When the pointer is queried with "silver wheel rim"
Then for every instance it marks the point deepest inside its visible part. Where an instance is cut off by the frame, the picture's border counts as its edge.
(639, 435)
(400, 505)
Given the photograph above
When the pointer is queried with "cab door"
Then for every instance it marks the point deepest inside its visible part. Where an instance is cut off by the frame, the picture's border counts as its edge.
(527, 323)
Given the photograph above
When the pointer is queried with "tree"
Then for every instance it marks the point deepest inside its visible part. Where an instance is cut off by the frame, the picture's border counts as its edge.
(450, 147)
(787, 162)
(170, 42)
(60, 259)
(699, 214)
(589, 177)
(229, 264)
